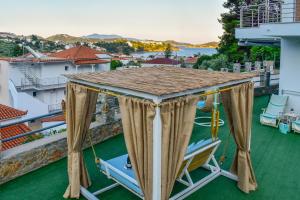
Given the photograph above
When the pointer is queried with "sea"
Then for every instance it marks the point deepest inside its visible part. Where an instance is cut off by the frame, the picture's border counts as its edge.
(183, 52)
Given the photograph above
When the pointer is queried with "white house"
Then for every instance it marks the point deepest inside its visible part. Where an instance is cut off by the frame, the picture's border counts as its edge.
(36, 80)
(276, 23)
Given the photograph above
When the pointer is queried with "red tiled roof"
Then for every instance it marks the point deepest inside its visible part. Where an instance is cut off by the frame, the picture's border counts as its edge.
(162, 61)
(191, 60)
(7, 113)
(120, 58)
(92, 61)
(58, 118)
(11, 131)
(36, 60)
(80, 55)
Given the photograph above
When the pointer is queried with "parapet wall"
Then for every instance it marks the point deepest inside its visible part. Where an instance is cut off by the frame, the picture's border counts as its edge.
(23, 159)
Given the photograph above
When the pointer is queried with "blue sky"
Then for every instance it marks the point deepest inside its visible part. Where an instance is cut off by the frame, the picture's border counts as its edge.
(181, 20)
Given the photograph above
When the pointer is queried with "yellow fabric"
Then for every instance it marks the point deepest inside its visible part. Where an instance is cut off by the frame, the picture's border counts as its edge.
(80, 106)
(238, 105)
(177, 124)
(137, 119)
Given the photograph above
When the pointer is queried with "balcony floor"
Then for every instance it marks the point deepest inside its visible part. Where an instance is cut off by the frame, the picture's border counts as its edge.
(275, 158)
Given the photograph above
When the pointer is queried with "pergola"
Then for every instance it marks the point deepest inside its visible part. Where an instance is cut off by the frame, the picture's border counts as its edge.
(158, 92)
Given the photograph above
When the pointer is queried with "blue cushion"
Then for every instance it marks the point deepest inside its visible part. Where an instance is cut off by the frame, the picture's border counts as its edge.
(201, 104)
(119, 163)
(196, 146)
(297, 122)
(267, 115)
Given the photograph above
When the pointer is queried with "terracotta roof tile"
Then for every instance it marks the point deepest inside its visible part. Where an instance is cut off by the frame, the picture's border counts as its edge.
(162, 61)
(11, 131)
(37, 60)
(7, 113)
(191, 60)
(58, 118)
(91, 61)
(80, 55)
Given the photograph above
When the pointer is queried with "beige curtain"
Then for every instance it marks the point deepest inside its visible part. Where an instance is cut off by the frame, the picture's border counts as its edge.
(238, 105)
(137, 119)
(80, 105)
(177, 124)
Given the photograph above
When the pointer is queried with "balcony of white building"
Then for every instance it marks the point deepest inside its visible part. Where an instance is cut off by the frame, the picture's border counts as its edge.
(267, 22)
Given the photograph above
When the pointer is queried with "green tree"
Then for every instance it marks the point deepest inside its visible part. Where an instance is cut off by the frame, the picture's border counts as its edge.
(228, 43)
(17, 51)
(215, 63)
(168, 51)
(115, 64)
(229, 51)
(264, 53)
(201, 59)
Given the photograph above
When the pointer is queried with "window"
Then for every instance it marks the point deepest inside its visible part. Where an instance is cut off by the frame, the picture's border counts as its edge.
(66, 68)
(34, 94)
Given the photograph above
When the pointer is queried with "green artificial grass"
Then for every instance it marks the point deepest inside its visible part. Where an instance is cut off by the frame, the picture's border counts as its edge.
(275, 158)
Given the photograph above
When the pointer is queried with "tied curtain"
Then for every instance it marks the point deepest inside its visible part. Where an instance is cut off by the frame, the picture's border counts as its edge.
(177, 118)
(137, 120)
(80, 105)
(177, 125)
(238, 105)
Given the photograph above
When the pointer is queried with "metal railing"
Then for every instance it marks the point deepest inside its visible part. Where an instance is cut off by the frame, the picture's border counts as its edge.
(38, 118)
(279, 12)
(32, 119)
(40, 84)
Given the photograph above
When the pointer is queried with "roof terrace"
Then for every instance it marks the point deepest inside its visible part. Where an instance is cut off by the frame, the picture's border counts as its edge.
(275, 159)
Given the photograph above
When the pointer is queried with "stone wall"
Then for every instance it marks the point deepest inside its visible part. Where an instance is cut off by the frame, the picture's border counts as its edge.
(20, 160)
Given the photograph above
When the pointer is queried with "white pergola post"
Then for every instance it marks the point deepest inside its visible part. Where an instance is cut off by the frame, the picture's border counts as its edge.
(157, 133)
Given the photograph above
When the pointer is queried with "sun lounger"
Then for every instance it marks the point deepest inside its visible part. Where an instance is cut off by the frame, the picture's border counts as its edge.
(296, 126)
(198, 154)
(271, 115)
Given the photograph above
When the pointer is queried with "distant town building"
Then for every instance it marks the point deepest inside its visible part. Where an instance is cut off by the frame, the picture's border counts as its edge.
(190, 62)
(124, 59)
(161, 62)
(35, 81)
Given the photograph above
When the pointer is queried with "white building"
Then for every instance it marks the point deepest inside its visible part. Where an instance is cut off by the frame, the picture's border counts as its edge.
(32, 82)
(276, 24)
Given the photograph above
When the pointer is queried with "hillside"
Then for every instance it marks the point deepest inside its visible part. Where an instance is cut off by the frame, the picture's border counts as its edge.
(208, 45)
(113, 38)
(66, 38)
(73, 39)
(102, 36)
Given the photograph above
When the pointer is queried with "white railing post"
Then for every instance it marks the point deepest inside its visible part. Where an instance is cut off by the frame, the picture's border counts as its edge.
(267, 11)
(252, 18)
(241, 17)
(258, 16)
(157, 133)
